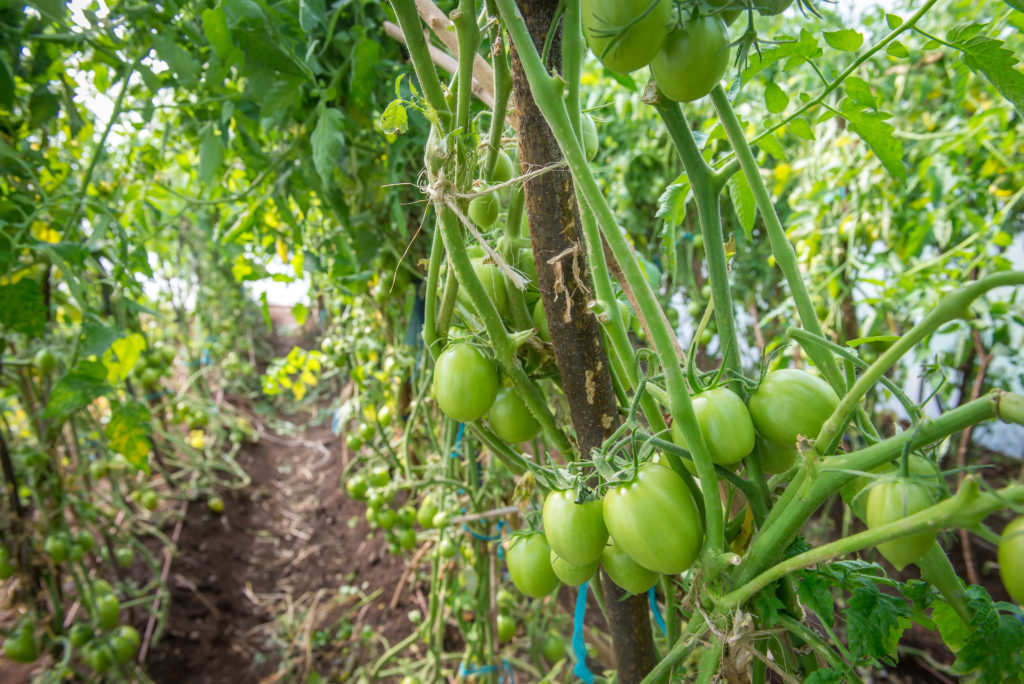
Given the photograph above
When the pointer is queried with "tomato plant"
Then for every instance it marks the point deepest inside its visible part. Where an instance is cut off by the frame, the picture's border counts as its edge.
(654, 520)
(693, 59)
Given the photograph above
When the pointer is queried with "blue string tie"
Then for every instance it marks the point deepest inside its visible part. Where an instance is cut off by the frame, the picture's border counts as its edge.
(458, 440)
(579, 647)
(658, 619)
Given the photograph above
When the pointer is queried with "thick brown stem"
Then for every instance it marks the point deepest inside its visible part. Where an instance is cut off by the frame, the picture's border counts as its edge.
(566, 289)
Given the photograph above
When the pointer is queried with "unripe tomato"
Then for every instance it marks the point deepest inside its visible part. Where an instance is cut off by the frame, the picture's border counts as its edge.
(57, 547)
(380, 476)
(353, 441)
(576, 532)
(573, 575)
(45, 361)
(895, 500)
(356, 486)
(725, 423)
(440, 519)
(149, 500)
(503, 169)
(775, 458)
(97, 656)
(407, 538)
(693, 59)
(465, 382)
(124, 557)
(494, 283)
(1011, 559)
(447, 548)
(386, 518)
(789, 403)
(426, 512)
(506, 627)
(367, 432)
(215, 504)
(626, 572)
(85, 539)
(20, 646)
(510, 419)
(108, 609)
(654, 520)
(125, 642)
(384, 416)
(79, 634)
(483, 210)
(529, 565)
(553, 647)
(637, 46)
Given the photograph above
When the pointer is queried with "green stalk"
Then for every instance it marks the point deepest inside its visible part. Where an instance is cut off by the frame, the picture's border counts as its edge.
(954, 305)
(547, 92)
(785, 256)
(502, 91)
(430, 305)
(684, 646)
(818, 644)
(967, 504)
(430, 84)
(468, 34)
(802, 497)
(936, 568)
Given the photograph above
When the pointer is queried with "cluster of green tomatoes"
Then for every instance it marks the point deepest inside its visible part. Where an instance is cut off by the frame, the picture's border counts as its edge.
(154, 365)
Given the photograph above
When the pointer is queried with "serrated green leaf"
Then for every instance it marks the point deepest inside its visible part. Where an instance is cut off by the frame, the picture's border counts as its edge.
(215, 28)
(952, 629)
(22, 308)
(129, 433)
(76, 390)
(122, 356)
(846, 40)
(988, 57)
(177, 58)
(878, 134)
(327, 140)
(815, 592)
(394, 119)
(775, 98)
(365, 58)
(6, 82)
(97, 338)
(824, 676)
(312, 14)
(993, 647)
(743, 201)
(767, 606)
(771, 145)
(875, 622)
(860, 91)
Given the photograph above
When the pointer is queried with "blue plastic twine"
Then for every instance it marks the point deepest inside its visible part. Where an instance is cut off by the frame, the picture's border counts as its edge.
(475, 671)
(653, 599)
(458, 440)
(579, 647)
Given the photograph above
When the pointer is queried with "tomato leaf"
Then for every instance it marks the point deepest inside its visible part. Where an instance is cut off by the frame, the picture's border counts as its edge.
(846, 40)
(875, 623)
(878, 134)
(816, 593)
(22, 308)
(775, 98)
(993, 646)
(988, 57)
(327, 139)
(77, 389)
(797, 52)
(743, 201)
(672, 203)
(767, 606)
(824, 676)
(129, 432)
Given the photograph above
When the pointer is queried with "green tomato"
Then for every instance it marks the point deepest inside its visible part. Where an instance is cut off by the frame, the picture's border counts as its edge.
(465, 382)
(895, 500)
(493, 281)
(789, 403)
(215, 505)
(603, 21)
(45, 361)
(654, 520)
(575, 531)
(426, 512)
(367, 432)
(6, 566)
(693, 59)
(79, 634)
(553, 647)
(149, 500)
(503, 168)
(529, 565)
(97, 656)
(85, 539)
(625, 571)
(440, 520)
(386, 518)
(775, 458)
(384, 416)
(506, 628)
(20, 646)
(125, 642)
(590, 143)
(356, 486)
(124, 556)
(407, 538)
(107, 609)
(572, 575)
(725, 424)
(1011, 559)
(483, 210)
(353, 441)
(380, 476)
(447, 548)
(57, 547)
(510, 419)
